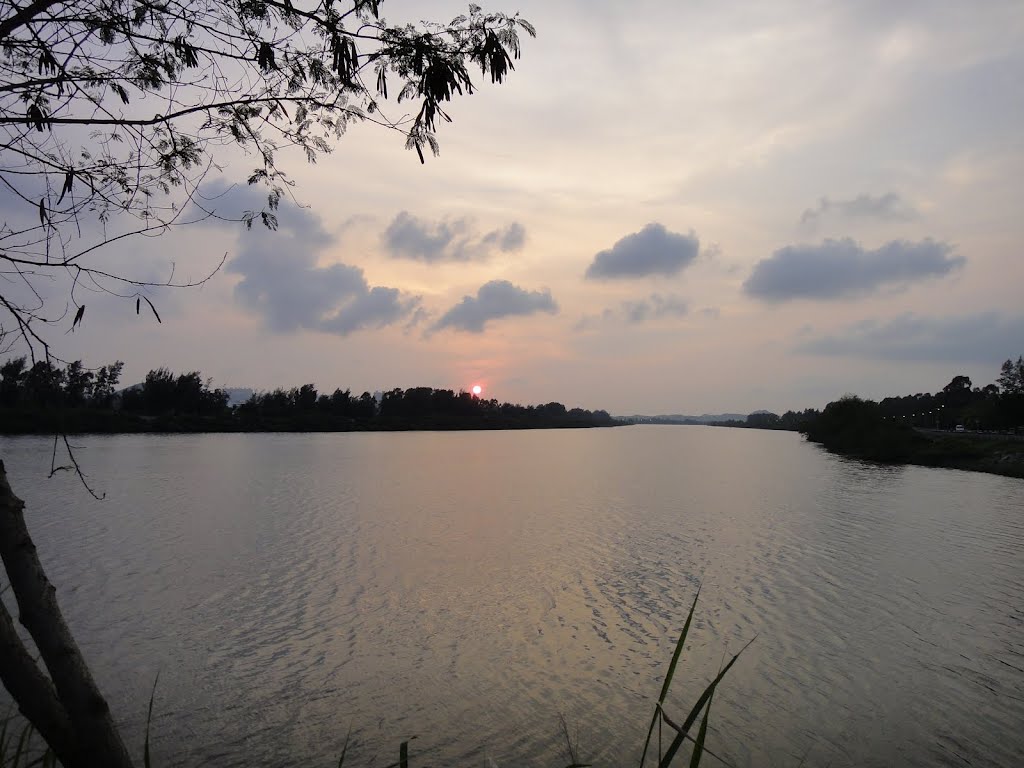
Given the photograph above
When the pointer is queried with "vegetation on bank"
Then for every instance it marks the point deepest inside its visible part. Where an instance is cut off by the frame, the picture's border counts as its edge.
(961, 426)
(996, 407)
(46, 398)
(861, 428)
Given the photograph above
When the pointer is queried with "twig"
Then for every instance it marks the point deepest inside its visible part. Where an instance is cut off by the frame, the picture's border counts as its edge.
(73, 467)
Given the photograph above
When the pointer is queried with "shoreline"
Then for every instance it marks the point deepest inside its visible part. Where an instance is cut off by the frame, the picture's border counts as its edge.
(992, 454)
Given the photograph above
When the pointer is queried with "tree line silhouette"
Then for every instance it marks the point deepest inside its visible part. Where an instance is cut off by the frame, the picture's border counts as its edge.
(44, 397)
(995, 407)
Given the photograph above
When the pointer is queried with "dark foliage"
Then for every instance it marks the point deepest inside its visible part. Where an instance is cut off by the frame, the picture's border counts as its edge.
(854, 426)
(46, 398)
(113, 114)
(791, 421)
(909, 428)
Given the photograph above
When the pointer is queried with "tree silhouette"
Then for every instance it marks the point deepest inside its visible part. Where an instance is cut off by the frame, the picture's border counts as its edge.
(112, 115)
(1011, 377)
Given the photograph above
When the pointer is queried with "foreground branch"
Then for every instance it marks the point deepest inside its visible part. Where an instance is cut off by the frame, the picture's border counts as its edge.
(96, 741)
(29, 687)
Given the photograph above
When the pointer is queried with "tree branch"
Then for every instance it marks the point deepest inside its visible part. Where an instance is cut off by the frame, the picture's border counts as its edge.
(28, 686)
(88, 712)
(24, 15)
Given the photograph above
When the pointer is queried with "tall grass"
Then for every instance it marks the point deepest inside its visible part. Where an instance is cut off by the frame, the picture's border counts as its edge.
(680, 732)
(20, 746)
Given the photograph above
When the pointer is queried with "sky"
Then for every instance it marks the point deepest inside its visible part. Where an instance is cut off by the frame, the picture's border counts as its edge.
(694, 207)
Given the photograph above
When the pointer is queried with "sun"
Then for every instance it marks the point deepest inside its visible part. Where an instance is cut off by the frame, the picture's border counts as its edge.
(477, 389)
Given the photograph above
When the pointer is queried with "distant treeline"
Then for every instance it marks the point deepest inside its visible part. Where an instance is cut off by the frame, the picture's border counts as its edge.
(904, 429)
(794, 421)
(995, 407)
(45, 397)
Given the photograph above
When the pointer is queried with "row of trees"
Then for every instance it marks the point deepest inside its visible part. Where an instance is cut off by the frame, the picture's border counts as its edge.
(889, 430)
(44, 397)
(44, 384)
(995, 406)
(793, 421)
(998, 406)
(857, 427)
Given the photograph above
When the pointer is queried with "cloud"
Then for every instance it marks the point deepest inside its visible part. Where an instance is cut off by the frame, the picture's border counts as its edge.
(839, 269)
(889, 206)
(985, 337)
(638, 311)
(282, 282)
(651, 251)
(408, 237)
(496, 299)
(656, 307)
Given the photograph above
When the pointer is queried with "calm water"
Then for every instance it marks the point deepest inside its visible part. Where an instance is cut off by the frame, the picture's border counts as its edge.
(468, 588)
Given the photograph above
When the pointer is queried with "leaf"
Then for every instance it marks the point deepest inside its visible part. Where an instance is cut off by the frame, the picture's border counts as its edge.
(155, 313)
(78, 317)
(42, 211)
(265, 57)
(149, 717)
(120, 91)
(138, 303)
(671, 672)
(38, 118)
(698, 745)
(677, 742)
(69, 179)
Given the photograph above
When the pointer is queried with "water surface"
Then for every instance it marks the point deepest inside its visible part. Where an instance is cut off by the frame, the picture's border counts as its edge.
(468, 588)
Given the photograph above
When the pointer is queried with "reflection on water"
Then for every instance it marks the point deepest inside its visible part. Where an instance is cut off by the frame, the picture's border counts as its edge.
(468, 588)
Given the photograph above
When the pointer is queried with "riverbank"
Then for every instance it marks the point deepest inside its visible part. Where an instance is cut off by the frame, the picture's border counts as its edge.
(995, 454)
(890, 444)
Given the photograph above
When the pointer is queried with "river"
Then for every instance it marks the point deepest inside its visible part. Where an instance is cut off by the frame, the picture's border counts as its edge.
(469, 588)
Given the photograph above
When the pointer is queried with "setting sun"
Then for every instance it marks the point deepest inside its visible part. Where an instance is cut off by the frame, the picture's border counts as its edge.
(477, 389)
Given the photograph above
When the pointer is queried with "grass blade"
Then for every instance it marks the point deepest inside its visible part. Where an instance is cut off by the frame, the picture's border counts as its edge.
(149, 719)
(3, 743)
(344, 749)
(698, 745)
(22, 743)
(677, 742)
(668, 675)
(678, 651)
(403, 755)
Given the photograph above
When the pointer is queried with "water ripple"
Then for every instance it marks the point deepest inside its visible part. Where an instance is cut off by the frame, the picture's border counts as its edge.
(470, 588)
